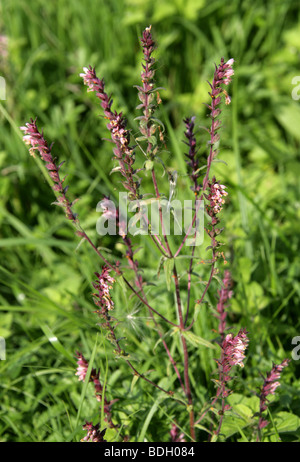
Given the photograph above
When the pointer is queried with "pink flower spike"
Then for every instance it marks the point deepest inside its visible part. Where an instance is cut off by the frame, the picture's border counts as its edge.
(269, 387)
(103, 285)
(233, 350)
(216, 197)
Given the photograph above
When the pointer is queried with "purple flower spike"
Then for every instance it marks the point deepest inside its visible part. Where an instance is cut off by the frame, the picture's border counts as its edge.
(193, 162)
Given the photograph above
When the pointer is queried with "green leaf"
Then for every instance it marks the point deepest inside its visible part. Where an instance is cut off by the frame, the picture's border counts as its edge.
(141, 138)
(134, 381)
(168, 267)
(152, 139)
(149, 417)
(286, 422)
(196, 340)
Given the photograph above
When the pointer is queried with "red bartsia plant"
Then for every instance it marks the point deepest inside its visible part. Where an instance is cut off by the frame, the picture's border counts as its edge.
(271, 383)
(233, 354)
(207, 189)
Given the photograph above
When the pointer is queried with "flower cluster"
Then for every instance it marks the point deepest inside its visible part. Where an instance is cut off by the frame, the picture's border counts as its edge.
(103, 285)
(94, 435)
(216, 197)
(82, 367)
(193, 162)
(225, 71)
(269, 387)
(233, 349)
(36, 140)
(117, 127)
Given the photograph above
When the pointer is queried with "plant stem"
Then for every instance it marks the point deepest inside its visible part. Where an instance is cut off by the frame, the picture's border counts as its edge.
(140, 286)
(185, 354)
(160, 213)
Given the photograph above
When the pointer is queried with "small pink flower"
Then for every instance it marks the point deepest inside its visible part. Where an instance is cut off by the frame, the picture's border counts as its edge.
(229, 62)
(228, 71)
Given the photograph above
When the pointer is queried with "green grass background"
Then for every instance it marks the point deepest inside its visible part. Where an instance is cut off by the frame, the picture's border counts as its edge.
(46, 304)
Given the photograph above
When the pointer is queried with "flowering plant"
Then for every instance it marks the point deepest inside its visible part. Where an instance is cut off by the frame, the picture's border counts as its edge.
(208, 196)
